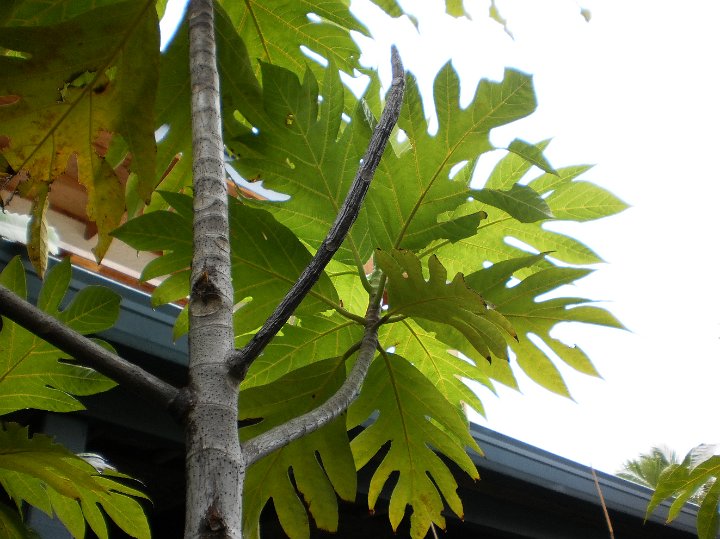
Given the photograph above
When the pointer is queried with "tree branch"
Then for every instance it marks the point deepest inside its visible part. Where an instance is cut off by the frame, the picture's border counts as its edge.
(240, 360)
(88, 352)
(282, 435)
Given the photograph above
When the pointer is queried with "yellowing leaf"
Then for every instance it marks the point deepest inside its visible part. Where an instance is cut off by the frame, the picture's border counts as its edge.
(37, 470)
(80, 76)
(37, 240)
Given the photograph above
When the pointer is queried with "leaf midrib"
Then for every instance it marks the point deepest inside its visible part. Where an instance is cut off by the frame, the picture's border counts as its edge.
(434, 177)
(90, 86)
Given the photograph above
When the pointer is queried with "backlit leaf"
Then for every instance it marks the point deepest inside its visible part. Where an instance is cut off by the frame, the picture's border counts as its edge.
(312, 158)
(81, 76)
(452, 303)
(583, 201)
(31, 375)
(520, 202)
(501, 237)
(532, 154)
(532, 317)
(412, 190)
(321, 463)
(275, 31)
(36, 466)
(438, 362)
(413, 417)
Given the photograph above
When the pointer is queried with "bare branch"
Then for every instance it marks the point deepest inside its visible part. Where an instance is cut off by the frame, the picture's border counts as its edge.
(282, 435)
(86, 351)
(240, 360)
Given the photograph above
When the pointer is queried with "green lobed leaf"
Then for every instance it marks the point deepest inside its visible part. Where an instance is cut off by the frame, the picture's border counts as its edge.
(173, 288)
(531, 153)
(173, 170)
(498, 236)
(682, 481)
(534, 320)
(68, 511)
(164, 265)
(708, 520)
(12, 525)
(55, 287)
(92, 309)
(303, 150)
(237, 84)
(438, 362)
(391, 7)
(511, 168)
(321, 463)
(418, 422)
(80, 76)
(42, 12)
(412, 190)
(157, 231)
(37, 470)
(583, 201)
(31, 375)
(274, 31)
(451, 303)
(353, 295)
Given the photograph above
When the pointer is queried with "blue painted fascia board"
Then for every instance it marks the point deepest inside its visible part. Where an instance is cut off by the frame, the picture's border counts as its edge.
(139, 326)
(528, 463)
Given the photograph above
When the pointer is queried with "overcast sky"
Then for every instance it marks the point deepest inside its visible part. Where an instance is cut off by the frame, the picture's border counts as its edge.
(635, 92)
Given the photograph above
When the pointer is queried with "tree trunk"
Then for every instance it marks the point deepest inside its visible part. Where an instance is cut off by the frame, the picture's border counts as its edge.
(215, 460)
(215, 468)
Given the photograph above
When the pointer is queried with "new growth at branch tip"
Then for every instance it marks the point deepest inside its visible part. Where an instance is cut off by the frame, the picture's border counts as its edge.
(240, 360)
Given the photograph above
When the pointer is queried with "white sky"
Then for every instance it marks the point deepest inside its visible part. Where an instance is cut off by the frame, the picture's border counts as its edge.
(635, 92)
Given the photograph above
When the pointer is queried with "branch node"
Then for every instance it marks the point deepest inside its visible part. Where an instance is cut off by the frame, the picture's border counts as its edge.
(181, 404)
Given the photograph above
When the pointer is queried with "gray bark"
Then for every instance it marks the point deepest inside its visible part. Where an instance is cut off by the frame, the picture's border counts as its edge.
(214, 465)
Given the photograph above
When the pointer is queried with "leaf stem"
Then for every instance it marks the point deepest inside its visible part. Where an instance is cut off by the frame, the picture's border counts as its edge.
(392, 319)
(349, 315)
